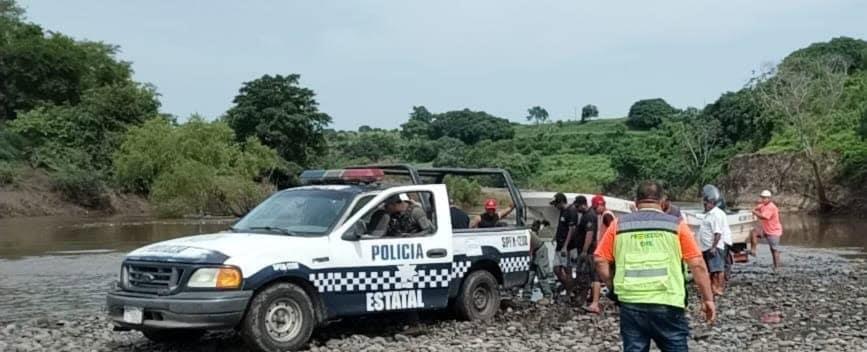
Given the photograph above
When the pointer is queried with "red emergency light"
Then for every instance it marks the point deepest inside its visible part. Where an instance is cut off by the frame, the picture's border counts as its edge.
(369, 175)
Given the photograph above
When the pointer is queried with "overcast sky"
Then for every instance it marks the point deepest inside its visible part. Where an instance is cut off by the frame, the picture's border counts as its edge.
(371, 61)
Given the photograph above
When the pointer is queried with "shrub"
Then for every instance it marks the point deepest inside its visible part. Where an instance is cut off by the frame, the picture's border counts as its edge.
(80, 186)
(8, 173)
(464, 191)
(193, 188)
(11, 145)
(196, 168)
(183, 190)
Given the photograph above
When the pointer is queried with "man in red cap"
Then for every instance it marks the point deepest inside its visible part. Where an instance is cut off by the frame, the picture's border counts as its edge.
(491, 217)
(605, 218)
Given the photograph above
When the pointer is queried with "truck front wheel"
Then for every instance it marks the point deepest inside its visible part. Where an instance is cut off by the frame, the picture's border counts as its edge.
(280, 318)
(479, 298)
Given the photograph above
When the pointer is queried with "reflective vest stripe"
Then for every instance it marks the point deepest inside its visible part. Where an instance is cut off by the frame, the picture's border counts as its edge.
(647, 225)
(646, 272)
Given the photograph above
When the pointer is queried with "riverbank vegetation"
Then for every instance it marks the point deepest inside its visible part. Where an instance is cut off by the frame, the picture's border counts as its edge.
(71, 109)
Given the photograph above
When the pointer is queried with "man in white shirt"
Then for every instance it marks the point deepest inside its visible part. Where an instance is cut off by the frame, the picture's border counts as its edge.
(710, 240)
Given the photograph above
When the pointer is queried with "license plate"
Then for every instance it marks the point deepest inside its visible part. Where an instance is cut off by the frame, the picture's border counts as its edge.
(132, 315)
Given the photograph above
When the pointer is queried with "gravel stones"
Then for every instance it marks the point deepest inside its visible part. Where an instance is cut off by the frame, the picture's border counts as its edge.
(818, 297)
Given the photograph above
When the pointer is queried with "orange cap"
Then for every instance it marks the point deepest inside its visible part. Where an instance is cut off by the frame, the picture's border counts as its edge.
(491, 203)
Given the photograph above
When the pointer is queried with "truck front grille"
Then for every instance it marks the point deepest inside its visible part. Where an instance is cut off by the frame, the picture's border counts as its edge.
(154, 278)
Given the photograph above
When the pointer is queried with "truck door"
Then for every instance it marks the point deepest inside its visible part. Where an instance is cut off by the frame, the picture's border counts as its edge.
(390, 273)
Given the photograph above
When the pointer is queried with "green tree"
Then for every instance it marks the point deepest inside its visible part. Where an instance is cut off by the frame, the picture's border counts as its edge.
(649, 113)
(48, 68)
(801, 95)
(739, 116)
(86, 134)
(588, 112)
(372, 147)
(470, 126)
(852, 51)
(537, 113)
(282, 115)
(418, 125)
(364, 128)
(697, 138)
(10, 10)
(194, 168)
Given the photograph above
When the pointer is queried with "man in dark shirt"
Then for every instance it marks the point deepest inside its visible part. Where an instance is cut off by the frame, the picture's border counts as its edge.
(460, 219)
(586, 228)
(566, 248)
(586, 233)
(669, 208)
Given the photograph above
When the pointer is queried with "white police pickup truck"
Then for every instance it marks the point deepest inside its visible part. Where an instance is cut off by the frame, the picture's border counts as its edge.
(304, 257)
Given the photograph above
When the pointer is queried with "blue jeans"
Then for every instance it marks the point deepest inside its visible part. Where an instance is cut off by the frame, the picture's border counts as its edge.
(665, 325)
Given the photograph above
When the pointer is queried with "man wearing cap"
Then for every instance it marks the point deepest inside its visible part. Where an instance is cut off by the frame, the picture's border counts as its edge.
(399, 218)
(710, 240)
(566, 240)
(648, 249)
(604, 219)
(771, 228)
(491, 217)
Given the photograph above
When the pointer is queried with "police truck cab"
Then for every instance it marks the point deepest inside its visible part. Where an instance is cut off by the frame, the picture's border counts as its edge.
(311, 254)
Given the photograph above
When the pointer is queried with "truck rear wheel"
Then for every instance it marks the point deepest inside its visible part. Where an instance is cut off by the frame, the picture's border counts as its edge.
(280, 318)
(479, 298)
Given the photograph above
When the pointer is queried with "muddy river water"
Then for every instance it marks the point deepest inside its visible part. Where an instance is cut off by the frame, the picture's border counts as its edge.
(54, 266)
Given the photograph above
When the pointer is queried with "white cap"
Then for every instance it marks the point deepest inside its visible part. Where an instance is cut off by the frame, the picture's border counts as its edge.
(766, 194)
(404, 197)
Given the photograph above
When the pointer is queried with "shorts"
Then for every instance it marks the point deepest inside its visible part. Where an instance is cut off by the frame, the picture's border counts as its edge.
(773, 242)
(568, 261)
(715, 263)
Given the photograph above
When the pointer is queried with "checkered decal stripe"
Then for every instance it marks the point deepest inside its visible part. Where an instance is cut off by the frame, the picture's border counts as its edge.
(514, 264)
(392, 280)
(379, 280)
(459, 269)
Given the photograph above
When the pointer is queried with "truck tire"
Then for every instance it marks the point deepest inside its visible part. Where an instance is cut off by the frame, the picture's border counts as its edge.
(280, 318)
(173, 336)
(479, 298)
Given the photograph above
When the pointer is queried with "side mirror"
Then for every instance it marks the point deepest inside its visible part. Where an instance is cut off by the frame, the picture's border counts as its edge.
(355, 233)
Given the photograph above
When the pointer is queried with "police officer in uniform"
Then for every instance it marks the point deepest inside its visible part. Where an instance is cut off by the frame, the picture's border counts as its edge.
(400, 218)
(648, 249)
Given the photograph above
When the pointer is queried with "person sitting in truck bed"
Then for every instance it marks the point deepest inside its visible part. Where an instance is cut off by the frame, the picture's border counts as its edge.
(460, 219)
(399, 218)
(491, 217)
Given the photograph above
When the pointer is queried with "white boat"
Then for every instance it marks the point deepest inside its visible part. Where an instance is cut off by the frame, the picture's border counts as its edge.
(741, 222)
(538, 205)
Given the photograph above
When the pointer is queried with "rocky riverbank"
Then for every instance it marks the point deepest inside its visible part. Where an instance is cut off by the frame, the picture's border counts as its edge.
(817, 302)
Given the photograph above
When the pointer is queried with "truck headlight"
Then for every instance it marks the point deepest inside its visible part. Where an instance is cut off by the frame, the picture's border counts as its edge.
(222, 278)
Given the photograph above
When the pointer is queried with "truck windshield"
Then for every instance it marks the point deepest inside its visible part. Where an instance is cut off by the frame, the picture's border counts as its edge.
(307, 212)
